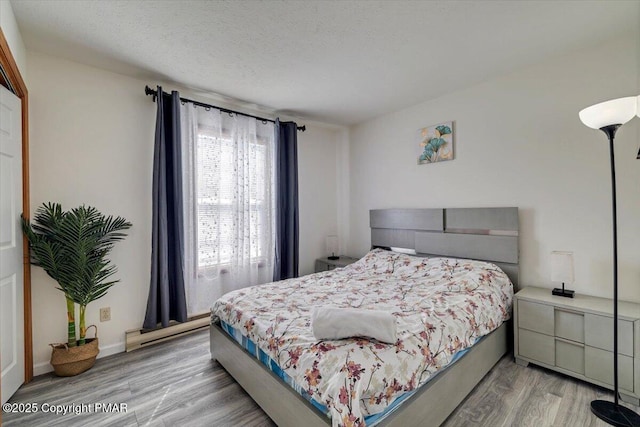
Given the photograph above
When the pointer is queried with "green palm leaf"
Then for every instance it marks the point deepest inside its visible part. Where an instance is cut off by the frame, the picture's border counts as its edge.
(72, 247)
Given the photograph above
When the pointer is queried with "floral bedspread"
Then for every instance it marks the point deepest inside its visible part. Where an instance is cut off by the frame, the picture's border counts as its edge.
(441, 305)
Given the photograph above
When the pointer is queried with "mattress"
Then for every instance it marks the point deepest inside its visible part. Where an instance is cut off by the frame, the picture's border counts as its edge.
(442, 306)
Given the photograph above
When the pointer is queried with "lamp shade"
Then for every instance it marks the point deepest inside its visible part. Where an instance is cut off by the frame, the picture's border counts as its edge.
(332, 244)
(638, 113)
(615, 112)
(562, 267)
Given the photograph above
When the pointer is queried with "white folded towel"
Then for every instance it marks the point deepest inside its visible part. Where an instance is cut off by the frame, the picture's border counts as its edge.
(330, 323)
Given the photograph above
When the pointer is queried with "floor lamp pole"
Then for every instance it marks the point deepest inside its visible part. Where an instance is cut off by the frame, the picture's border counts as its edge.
(611, 131)
(613, 413)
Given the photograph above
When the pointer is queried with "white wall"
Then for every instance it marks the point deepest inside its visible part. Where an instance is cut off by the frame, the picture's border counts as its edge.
(12, 34)
(317, 172)
(343, 190)
(519, 142)
(92, 142)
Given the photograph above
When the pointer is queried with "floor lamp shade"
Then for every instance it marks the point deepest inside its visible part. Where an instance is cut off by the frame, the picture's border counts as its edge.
(615, 112)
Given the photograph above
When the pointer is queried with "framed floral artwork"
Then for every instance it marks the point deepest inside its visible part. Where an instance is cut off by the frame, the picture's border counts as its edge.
(435, 143)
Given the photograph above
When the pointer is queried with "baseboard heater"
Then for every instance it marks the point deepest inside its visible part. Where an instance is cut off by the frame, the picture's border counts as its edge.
(139, 338)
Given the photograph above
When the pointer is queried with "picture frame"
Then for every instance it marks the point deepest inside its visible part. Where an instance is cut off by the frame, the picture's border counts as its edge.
(435, 143)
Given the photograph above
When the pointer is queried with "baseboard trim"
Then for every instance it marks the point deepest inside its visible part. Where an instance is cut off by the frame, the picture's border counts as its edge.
(108, 350)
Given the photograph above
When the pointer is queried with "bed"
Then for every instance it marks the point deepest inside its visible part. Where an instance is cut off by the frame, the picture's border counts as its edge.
(431, 375)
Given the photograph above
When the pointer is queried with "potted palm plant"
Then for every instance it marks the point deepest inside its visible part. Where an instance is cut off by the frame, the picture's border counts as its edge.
(72, 247)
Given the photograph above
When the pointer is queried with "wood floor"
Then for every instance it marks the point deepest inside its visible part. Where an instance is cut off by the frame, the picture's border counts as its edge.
(177, 384)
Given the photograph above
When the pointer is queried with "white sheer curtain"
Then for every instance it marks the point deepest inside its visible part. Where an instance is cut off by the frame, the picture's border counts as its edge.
(229, 176)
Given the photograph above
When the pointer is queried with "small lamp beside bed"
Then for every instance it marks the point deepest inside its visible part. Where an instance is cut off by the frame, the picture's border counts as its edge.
(562, 271)
(332, 247)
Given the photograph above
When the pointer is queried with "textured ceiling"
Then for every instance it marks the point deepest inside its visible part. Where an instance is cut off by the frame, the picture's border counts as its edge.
(337, 62)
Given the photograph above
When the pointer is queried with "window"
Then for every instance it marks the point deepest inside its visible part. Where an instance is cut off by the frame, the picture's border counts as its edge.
(229, 198)
(233, 199)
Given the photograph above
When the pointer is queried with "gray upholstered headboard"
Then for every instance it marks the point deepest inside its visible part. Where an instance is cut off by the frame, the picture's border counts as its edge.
(487, 234)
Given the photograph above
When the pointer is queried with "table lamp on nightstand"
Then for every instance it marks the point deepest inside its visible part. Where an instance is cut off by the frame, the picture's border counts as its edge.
(332, 247)
(562, 271)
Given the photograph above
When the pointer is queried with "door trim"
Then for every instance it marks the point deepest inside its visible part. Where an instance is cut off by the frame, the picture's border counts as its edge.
(12, 74)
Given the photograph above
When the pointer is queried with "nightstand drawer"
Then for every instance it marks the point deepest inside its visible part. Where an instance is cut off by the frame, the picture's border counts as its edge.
(598, 364)
(537, 347)
(599, 333)
(570, 325)
(535, 317)
(570, 356)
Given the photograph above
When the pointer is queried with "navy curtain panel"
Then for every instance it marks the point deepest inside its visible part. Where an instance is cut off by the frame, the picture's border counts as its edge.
(167, 292)
(287, 238)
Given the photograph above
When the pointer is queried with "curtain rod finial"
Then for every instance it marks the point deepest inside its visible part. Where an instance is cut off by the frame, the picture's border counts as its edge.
(148, 91)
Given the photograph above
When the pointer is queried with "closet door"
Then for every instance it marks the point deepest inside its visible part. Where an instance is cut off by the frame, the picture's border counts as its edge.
(11, 272)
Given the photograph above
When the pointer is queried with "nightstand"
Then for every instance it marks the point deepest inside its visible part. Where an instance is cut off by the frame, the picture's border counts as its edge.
(574, 336)
(325, 264)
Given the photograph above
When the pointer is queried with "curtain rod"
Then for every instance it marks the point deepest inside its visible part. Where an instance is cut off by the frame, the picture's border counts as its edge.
(148, 91)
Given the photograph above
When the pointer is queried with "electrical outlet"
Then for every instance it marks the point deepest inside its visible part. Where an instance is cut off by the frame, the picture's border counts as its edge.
(105, 314)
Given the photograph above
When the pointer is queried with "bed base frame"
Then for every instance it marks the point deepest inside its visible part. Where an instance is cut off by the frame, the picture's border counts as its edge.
(489, 234)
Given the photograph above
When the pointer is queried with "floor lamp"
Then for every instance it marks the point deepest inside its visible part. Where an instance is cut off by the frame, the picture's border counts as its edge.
(608, 117)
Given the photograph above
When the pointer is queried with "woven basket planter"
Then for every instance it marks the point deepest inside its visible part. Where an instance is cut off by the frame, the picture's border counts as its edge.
(69, 361)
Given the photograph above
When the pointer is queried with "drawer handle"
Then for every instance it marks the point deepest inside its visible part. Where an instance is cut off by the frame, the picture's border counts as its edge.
(577, 344)
(569, 311)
